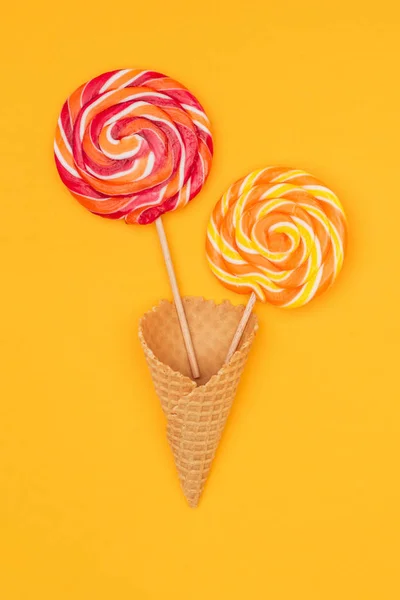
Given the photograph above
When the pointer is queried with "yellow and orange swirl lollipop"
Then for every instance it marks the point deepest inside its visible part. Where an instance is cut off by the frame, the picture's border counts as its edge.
(278, 234)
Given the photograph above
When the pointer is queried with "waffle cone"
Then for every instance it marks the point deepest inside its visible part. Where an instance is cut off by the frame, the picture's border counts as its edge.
(196, 412)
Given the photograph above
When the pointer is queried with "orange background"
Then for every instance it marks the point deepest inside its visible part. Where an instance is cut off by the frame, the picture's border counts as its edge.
(303, 501)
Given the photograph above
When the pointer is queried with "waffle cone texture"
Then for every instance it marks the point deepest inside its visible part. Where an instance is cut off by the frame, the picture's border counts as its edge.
(196, 412)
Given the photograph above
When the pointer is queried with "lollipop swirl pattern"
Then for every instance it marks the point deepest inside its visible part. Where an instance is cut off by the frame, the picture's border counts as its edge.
(133, 144)
(279, 233)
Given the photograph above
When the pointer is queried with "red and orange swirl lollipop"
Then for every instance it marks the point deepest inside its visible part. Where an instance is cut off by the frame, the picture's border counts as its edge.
(278, 234)
(133, 145)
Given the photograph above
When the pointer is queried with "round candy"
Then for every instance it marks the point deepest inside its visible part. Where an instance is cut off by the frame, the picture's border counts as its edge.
(133, 144)
(279, 233)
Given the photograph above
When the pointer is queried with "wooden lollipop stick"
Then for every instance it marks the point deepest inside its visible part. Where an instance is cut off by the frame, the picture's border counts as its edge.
(241, 327)
(177, 299)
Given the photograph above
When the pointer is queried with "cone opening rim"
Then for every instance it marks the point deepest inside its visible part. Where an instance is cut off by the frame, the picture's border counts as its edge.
(177, 374)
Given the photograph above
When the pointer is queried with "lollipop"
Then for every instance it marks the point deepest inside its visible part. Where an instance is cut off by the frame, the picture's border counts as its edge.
(278, 234)
(133, 145)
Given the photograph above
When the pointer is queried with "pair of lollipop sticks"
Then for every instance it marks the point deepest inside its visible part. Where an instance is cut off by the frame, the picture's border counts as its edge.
(133, 145)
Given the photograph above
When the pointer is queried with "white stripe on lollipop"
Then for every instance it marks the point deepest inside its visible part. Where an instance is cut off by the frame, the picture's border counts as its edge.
(225, 256)
(128, 109)
(113, 78)
(64, 136)
(312, 292)
(88, 109)
(110, 138)
(202, 127)
(149, 166)
(122, 155)
(66, 166)
(333, 200)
